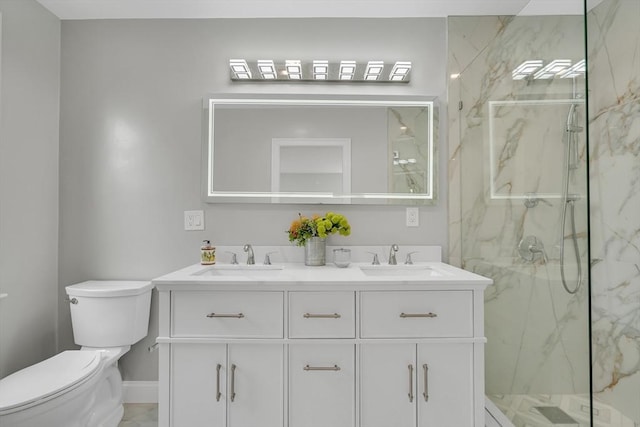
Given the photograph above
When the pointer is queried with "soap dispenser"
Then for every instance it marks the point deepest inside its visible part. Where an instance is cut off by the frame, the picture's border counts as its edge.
(207, 253)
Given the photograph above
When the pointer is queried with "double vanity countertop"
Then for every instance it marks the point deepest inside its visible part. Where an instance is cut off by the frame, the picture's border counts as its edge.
(294, 275)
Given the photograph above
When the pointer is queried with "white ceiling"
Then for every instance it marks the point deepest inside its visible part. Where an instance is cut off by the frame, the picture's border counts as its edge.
(147, 9)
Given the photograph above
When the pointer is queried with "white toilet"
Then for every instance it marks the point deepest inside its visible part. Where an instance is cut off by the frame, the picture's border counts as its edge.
(82, 388)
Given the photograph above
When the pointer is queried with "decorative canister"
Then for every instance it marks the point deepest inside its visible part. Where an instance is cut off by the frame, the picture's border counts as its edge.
(315, 251)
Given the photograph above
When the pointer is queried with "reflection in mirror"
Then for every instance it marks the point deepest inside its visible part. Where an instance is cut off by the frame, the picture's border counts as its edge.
(321, 150)
(518, 147)
(293, 169)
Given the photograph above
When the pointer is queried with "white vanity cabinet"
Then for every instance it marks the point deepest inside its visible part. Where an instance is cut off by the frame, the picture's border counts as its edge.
(226, 361)
(235, 385)
(330, 349)
(408, 385)
(426, 384)
(322, 385)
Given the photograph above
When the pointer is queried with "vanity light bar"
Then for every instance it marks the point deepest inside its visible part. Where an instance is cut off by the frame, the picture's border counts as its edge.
(562, 68)
(347, 70)
(576, 70)
(400, 71)
(293, 69)
(550, 70)
(320, 70)
(267, 69)
(240, 69)
(373, 70)
(526, 69)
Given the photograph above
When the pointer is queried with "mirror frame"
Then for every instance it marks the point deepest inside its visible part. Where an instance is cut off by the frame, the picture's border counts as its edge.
(210, 195)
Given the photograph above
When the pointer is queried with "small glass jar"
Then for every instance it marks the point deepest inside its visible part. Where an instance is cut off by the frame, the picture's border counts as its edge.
(342, 257)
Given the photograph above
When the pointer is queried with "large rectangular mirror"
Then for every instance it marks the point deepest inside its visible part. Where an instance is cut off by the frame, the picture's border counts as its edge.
(320, 149)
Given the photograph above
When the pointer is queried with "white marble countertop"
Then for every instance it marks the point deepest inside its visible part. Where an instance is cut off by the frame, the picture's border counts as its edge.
(293, 275)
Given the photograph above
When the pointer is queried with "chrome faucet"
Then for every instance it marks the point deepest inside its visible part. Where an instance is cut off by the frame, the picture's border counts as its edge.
(234, 258)
(408, 260)
(392, 254)
(250, 258)
(267, 258)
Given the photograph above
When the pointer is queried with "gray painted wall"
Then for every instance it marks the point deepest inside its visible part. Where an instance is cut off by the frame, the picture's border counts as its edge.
(30, 83)
(131, 134)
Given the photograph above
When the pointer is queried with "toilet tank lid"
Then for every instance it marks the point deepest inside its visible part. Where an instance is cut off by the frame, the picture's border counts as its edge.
(43, 380)
(108, 288)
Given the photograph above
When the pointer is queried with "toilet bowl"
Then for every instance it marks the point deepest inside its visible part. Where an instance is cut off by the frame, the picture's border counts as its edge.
(82, 388)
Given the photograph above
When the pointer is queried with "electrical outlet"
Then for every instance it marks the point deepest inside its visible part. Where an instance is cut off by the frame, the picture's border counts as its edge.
(413, 217)
(193, 220)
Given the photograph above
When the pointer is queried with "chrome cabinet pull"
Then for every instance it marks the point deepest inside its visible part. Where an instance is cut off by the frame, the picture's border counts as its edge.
(233, 382)
(321, 316)
(425, 368)
(235, 316)
(406, 315)
(218, 394)
(410, 383)
(322, 368)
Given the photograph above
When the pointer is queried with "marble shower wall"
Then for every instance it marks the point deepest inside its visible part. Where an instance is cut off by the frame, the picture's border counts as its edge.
(508, 140)
(614, 139)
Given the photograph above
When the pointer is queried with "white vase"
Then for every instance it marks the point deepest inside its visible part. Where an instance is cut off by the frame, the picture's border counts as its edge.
(315, 249)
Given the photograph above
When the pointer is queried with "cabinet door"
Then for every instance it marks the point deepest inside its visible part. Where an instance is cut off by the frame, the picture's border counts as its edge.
(255, 388)
(388, 385)
(198, 394)
(445, 385)
(322, 385)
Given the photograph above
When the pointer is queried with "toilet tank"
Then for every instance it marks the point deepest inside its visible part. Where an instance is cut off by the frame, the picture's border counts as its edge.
(109, 313)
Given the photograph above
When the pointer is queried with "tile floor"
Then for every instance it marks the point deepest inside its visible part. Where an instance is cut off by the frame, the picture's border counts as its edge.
(140, 415)
(522, 411)
(519, 408)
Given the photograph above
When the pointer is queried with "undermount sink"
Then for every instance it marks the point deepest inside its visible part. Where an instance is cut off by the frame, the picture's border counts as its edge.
(240, 270)
(401, 270)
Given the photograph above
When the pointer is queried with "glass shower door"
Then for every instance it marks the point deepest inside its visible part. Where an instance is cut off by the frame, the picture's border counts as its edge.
(523, 208)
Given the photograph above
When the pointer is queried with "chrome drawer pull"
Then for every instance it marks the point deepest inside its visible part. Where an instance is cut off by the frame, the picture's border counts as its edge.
(321, 316)
(235, 316)
(406, 315)
(322, 368)
(218, 394)
(410, 383)
(425, 367)
(233, 382)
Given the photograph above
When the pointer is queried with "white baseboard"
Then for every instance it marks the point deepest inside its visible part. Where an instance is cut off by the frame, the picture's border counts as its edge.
(140, 391)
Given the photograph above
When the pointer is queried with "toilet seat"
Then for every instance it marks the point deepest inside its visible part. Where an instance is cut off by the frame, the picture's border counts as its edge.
(48, 379)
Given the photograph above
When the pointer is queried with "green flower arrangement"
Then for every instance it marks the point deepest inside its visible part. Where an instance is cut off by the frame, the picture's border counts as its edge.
(304, 228)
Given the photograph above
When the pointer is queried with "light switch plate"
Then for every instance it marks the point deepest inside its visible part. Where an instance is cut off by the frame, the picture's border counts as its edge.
(193, 220)
(413, 217)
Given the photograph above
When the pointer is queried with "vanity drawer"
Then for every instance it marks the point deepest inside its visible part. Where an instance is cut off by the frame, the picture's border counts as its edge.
(322, 315)
(416, 314)
(227, 314)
